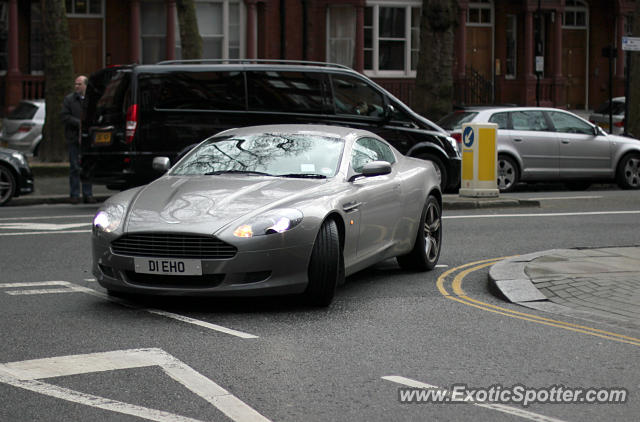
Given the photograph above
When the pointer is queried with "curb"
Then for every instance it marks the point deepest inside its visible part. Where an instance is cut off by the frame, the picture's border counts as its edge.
(465, 204)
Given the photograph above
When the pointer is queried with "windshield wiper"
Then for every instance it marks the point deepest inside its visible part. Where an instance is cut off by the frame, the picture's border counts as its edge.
(217, 172)
(303, 175)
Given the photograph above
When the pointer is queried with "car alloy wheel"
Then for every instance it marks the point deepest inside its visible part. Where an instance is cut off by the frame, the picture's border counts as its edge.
(426, 249)
(629, 172)
(7, 185)
(507, 174)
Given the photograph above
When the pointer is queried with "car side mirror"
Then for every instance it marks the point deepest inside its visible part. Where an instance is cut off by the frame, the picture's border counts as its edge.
(388, 112)
(161, 164)
(376, 168)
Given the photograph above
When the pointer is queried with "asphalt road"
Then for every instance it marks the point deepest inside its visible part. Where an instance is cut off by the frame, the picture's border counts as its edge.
(274, 359)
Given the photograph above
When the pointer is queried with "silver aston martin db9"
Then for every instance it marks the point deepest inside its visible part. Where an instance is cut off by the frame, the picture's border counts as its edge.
(270, 210)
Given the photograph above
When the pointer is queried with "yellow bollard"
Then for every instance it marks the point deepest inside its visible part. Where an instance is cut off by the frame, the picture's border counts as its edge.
(479, 160)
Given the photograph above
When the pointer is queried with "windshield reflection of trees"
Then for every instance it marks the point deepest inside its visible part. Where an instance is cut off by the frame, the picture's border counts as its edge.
(274, 154)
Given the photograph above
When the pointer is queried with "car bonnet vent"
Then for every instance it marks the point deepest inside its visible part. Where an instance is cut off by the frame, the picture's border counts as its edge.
(168, 245)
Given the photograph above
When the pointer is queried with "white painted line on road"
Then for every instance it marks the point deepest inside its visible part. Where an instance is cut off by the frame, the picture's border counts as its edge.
(38, 291)
(556, 214)
(42, 226)
(89, 279)
(50, 232)
(514, 411)
(550, 198)
(70, 288)
(23, 375)
(48, 217)
(442, 266)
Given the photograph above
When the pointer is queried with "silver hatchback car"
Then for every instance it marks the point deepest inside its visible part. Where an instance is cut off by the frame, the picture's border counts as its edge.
(537, 144)
(22, 128)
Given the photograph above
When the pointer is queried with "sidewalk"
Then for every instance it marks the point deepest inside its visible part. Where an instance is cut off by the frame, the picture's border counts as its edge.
(600, 284)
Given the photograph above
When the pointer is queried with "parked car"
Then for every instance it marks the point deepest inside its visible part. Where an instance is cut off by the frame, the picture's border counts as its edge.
(22, 128)
(15, 175)
(538, 144)
(270, 210)
(136, 113)
(600, 115)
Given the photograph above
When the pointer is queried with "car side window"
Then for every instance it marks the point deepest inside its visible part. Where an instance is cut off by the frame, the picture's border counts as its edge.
(501, 119)
(366, 150)
(529, 120)
(567, 123)
(355, 97)
(292, 92)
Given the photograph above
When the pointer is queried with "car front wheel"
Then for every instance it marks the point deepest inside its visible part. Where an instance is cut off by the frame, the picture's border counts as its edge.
(507, 173)
(325, 270)
(7, 185)
(426, 249)
(628, 174)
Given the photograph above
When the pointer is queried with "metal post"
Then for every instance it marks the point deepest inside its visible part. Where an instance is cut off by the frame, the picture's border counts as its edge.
(627, 76)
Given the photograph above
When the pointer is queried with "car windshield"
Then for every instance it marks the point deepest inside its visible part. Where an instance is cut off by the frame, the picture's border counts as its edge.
(456, 119)
(303, 155)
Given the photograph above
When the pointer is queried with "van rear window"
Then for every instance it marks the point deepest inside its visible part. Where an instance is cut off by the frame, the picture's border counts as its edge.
(107, 97)
(192, 91)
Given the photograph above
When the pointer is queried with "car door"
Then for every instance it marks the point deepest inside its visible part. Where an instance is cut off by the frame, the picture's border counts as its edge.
(378, 198)
(583, 154)
(533, 140)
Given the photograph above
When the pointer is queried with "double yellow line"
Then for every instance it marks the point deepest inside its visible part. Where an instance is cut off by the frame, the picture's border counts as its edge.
(459, 295)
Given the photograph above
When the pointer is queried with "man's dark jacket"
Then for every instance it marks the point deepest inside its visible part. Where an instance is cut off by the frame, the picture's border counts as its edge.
(71, 116)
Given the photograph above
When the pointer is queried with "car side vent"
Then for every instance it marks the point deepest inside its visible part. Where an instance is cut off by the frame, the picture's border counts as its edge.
(168, 245)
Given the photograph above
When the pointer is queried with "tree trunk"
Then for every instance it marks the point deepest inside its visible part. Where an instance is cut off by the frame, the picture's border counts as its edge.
(633, 119)
(58, 79)
(189, 35)
(433, 97)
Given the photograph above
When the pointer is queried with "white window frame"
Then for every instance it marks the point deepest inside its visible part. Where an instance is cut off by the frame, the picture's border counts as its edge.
(484, 5)
(375, 71)
(73, 14)
(330, 39)
(579, 7)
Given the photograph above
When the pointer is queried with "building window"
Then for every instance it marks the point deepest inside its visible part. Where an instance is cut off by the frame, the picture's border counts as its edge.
(341, 21)
(479, 13)
(219, 24)
(83, 7)
(575, 14)
(511, 62)
(391, 38)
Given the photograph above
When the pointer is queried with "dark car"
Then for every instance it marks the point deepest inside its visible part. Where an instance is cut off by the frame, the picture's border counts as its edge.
(15, 175)
(135, 113)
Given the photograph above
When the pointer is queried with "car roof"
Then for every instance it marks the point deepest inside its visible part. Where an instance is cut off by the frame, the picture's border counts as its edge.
(323, 130)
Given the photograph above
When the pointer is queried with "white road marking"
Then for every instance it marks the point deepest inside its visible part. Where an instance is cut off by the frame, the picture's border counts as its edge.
(497, 407)
(70, 288)
(89, 279)
(556, 214)
(550, 198)
(49, 232)
(48, 217)
(442, 266)
(42, 226)
(23, 375)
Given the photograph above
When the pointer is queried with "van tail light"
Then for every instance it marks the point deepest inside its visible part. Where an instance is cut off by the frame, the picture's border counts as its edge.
(458, 137)
(132, 122)
(619, 124)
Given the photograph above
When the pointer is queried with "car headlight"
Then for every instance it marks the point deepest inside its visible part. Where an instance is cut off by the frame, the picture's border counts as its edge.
(275, 221)
(109, 218)
(18, 156)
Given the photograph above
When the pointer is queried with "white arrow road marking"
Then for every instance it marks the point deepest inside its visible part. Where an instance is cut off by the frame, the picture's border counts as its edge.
(23, 375)
(498, 407)
(68, 287)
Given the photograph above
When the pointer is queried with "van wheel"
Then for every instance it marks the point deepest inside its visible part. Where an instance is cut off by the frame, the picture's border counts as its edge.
(8, 185)
(508, 175)
(426, 249)
(324, 271)
(441, 170)
(628, 172)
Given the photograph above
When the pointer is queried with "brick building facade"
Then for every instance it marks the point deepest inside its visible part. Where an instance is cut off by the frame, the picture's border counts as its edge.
(506, 51)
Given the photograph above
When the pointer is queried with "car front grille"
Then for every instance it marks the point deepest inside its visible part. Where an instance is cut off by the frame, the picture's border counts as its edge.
(168, 245)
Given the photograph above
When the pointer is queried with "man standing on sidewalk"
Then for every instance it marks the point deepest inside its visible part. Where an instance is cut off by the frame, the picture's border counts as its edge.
(71, 117)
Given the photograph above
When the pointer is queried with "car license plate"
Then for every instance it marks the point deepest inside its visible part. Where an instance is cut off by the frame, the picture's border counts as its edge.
(168, 266)
(102, 138)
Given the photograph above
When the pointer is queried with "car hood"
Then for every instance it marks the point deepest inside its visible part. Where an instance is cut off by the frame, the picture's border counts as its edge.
(206, 204)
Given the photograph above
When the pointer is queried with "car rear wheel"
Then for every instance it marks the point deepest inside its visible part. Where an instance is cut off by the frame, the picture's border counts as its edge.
(7, 185)
(628, 174)
(426, 250)
(508, 175)
(441, 170)
(325, 264)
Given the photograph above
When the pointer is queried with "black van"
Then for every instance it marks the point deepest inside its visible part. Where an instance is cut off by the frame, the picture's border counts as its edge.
(135, 113)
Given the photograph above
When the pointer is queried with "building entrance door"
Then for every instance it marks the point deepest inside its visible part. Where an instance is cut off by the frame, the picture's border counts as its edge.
(86, 44)
(479, 54)
(574, 56)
